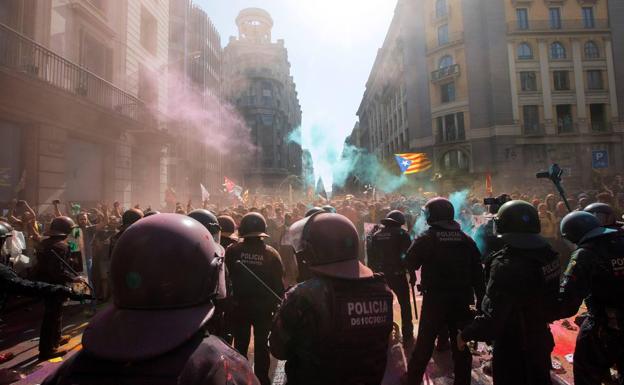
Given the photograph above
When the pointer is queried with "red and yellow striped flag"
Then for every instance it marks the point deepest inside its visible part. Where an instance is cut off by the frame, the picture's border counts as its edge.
(413, 163)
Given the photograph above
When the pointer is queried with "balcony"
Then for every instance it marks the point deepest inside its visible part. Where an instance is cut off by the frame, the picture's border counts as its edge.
(533, 129)
(26, 57)
(445, 73)
(600, 127)
(568, 25)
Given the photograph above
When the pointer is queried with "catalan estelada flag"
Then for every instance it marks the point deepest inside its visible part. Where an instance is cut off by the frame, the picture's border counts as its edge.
(413, 163)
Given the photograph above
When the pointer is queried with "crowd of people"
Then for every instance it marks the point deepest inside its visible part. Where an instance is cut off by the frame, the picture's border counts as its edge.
(227, 269)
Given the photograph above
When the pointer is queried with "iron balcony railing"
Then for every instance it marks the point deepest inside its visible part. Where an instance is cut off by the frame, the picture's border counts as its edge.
(22, 54)
(557, 25)
(445, 72)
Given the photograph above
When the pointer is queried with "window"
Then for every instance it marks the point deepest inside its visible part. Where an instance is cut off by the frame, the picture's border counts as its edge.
(441, 10)
(554, 17)
(455, 160)
(443, 36)
(591, 50)
(594, 80)
(451, 128)
(598, 117)
(561, 80)
(557, 51)
(149, 31)
(148, 86)
(523, 18)
(564, 118)
(528, 81)
(447, 92)
(530, 117)
(588, 17)
(445, 62)
(525, 51)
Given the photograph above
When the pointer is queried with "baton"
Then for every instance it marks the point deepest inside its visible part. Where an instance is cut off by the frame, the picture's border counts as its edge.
(414, 298)
(71, 270)
(279, 299)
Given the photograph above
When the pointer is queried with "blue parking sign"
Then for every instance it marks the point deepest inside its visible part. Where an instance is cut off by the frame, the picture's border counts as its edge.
(600, 159)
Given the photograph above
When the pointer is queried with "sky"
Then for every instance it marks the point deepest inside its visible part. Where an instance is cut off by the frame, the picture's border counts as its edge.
(331, 45)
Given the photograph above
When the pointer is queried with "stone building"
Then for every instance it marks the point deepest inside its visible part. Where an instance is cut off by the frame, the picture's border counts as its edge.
(79, 115)
(503, 87)
(257, 80)
(195, 56)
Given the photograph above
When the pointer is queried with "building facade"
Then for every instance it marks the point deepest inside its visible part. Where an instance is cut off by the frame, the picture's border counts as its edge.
(195, 57)
(257, 81)
(78, 115)
(511, 86)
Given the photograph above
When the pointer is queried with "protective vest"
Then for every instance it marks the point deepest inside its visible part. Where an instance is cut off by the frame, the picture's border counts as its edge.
(346, 339)
(388, 246)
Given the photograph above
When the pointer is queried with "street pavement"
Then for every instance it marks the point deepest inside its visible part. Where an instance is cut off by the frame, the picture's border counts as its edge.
(19, 334)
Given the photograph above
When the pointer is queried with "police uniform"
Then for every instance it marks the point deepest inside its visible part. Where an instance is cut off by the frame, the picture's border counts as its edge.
(386, 250)
(518, 305)
(334, 331)
(253, 304)
(51, 270)
(201, 360)
(11, 283)
(451, 276)
(596, 274)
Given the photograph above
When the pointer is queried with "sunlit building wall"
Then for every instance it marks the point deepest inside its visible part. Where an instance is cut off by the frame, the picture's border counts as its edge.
(512, 86)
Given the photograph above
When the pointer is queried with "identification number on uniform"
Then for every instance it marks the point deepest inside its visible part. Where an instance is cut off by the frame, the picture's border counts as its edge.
(365, 312)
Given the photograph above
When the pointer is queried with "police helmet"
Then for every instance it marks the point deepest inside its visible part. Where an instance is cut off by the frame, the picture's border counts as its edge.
(603, 212)
(130, 216)
(208, 220)
(149, 213)
(580, 226)
(61, 227)
(164, 273)
(253, 225)
(329, 209)
(5, 231)
(395, 218)
(313, 210)
(228, 226)
(517, 217)
(329, 245)
(438, 209)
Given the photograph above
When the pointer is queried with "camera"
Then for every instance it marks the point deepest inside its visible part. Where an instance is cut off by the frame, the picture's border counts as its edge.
(498, 201)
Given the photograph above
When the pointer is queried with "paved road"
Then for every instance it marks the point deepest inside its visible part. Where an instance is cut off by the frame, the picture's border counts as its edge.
(19, 332)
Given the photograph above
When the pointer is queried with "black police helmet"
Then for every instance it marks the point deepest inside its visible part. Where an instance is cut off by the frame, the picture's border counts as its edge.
(131, 216)
(580, 226)
(61, 227)
(438, 209)
(603, 212)
(5, 230)
(313, 210)
(207, 219)
(517, 217)
(395, 218)
(253, 225)
(329, 209)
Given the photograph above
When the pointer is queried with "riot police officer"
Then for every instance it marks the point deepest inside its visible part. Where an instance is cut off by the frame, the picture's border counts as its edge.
(595, 275)
(52, 252)
(256, 272)
(386, 253)
(605, 215)
(520, 298)
(127, 219)
(153, 332)
(303, 271)
(228, 230)
(451, 277)
(334, 328)
(485, 236)
(209, 221)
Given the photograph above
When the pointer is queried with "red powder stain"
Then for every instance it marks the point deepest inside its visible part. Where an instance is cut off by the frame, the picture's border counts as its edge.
(565, 340)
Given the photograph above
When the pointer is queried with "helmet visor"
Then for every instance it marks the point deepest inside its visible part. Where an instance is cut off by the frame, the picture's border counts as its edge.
(294, 236)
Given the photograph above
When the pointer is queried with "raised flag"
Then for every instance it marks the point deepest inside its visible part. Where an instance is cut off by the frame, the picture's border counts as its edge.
(412, 163)
(204, 193)
(229, 185)
(488, 184)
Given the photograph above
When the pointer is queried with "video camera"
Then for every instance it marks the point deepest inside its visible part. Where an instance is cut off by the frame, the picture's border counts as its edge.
(554, 173)
(498, 201)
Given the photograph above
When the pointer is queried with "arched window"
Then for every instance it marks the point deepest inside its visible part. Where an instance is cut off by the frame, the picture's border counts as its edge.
(557, 51)
(445, 61)
(441, 9)
(591, 50)
(525, 51)
(455, 160)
